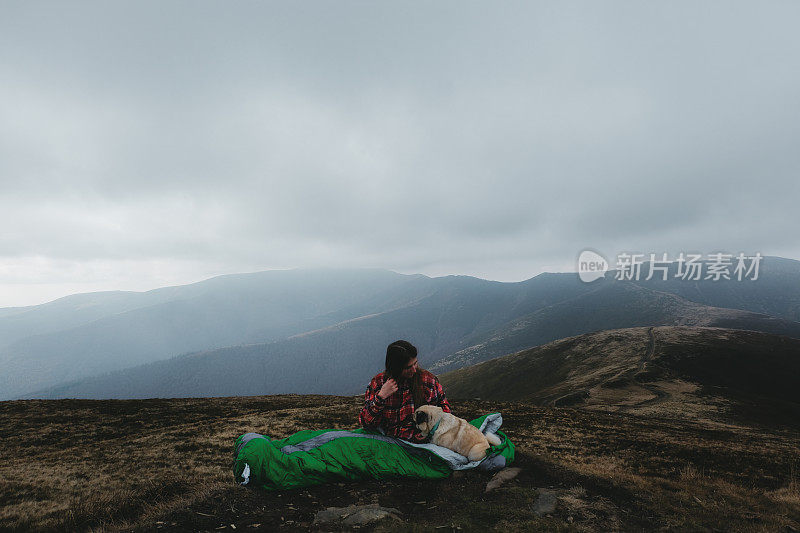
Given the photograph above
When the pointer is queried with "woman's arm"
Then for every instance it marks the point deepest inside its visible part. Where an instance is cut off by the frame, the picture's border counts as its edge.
(372, 412)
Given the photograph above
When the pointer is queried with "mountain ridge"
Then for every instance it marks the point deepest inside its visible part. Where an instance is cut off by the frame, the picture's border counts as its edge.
(443, 316)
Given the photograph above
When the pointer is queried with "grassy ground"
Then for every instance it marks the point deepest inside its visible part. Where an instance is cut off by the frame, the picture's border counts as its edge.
(140, 465)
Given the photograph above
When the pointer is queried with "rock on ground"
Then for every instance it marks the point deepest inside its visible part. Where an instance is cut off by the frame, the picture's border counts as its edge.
(545, 503)
(356, 515)
(506, 474)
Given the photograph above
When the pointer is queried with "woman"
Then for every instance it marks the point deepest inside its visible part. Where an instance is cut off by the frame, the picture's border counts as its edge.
(393, 394)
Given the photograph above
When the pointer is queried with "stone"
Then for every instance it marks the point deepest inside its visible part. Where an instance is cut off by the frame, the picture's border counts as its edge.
(356, 515)
(546, 502)
(369, 515)
(506, 474)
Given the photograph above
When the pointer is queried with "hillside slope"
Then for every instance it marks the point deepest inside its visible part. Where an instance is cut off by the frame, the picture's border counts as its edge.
(610, 305)
(685, 372)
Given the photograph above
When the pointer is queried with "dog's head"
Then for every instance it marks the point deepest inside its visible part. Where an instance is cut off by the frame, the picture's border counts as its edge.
(426, 417)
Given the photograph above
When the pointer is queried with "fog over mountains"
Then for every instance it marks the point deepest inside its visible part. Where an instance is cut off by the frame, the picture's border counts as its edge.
(325, 331)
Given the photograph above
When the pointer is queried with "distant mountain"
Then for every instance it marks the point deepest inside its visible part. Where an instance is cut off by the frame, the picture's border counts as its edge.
(303, 322)
(91, 334)
(274, 306)
(341, 359)
(71, 311)
(689, 372)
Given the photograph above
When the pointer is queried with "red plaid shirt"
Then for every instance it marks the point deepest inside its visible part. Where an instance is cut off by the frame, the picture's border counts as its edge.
(395, 414)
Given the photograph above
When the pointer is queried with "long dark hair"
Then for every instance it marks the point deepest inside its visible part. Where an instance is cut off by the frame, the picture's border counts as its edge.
(398, 354)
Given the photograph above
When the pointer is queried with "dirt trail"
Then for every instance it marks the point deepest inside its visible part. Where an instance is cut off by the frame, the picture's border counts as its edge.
(648, 357)
(644, 373)
(651, 348)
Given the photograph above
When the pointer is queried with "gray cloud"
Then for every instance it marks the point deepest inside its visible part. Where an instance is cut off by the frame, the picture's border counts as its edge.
(446, 138)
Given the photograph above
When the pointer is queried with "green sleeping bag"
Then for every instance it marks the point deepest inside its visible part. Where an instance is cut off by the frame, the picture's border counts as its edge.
(314, 457)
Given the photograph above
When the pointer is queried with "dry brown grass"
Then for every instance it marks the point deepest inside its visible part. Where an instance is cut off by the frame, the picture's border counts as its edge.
(76, 465)
(165, 464)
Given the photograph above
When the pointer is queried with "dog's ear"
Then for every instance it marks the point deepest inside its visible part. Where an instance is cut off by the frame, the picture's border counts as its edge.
(421, 417)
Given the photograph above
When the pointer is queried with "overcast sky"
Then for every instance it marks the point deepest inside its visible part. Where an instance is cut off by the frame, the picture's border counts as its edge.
(145, 144)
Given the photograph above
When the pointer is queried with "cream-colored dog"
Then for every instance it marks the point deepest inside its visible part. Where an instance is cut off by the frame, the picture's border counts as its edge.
(454, 433)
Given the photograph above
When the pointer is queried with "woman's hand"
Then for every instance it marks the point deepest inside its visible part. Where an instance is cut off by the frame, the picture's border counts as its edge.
(389, 388)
